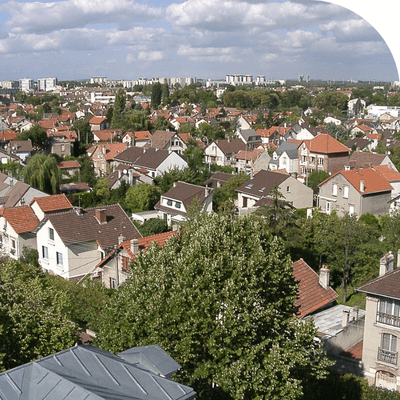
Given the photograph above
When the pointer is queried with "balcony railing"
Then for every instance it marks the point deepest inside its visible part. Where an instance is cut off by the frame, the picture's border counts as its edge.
(387, 356)
(388, 319)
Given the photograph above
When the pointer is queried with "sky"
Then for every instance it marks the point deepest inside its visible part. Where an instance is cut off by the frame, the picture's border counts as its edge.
(207, 39)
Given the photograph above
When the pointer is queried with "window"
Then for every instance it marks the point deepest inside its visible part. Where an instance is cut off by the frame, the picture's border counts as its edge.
(283, 160)
(169, 202)
(328, 207)
(351, 209)
(45, 253)
(334, 189)
(113, 283)
(244, 202)
(312, 160)
(59, 258)
(320, 161)
(346, 192)
(303, 159)
(51, 233)
(177, 204)
(388, 350)
(389, 312)
(288, 189)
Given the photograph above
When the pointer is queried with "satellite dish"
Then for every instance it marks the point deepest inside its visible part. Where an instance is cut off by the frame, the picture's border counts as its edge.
(125, 171)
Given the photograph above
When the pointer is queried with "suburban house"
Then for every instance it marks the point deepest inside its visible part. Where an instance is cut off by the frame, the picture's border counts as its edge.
(169, 140)
(255, 191)
(21, 148)
(173, 206)
(69, 168)
(56, 203)
(315, 293)
(72, 243)
(86, 372)
(357, 192)
(322, 153)
(286, 157)
(221, 152)
(393, 177)
(151, 161)
(218, 180)
(14, 193)
(364, 159)
(250, 137)
(99, 123)
(102, 156)
(244, 160)
(61, 141)
(17, 226)
(113, 270)
(382, 326)
(137, 138)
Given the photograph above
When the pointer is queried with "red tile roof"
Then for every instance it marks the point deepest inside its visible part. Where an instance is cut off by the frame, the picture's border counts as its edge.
(69, 164)
(22, 219)
(56, 202)
(312, 296)
(97, 120)
(388, 173)
(326, 144)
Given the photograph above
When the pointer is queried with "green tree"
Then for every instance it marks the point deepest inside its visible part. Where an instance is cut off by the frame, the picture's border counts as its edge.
(224, 196)
(156, 94)
(118, 109)
(142, 197)
(103, 190)
(83, 130)
(43, 173)
(35, 321)
(315, 178)
(36, 134)
(219, 298)
(152, 227)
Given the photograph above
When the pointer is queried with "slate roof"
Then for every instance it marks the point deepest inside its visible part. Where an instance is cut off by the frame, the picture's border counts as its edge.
(74, 227)
(56, 202)
(229, 146)
(221, 177)
(387, 285)
(15, 194)
(22, 219)
(160, 139)
(312, 296)
(18, 146)
(361, 159)
(290, 148)
(130, 155)
(262, 183)
(86, 372)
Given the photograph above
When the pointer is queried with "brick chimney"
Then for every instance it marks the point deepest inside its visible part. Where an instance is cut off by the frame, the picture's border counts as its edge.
(134, 246)
(121, 238)
(345, 318)
(101, 215)
(362, 186)
(324, 277)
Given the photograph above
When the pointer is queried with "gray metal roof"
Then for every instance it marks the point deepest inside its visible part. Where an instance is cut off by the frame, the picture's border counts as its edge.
(86, 372)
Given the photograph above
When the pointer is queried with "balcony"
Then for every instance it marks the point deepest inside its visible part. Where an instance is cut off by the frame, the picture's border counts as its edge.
(388, 319)
(387, 356)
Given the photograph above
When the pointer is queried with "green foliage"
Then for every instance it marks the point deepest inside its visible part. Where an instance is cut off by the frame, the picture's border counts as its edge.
(156, 94)
(118, 108)
(29, 256)
(83, 130)
(315, 178)
(36, 134)
(162, 124)
(152, 226)
(142, 197)
(35, 320)
(167, 179)
(136, 120)
(219, 298)
(331, 101)
(43, 173)
(102, 189)
(223, 197)
(11, 166)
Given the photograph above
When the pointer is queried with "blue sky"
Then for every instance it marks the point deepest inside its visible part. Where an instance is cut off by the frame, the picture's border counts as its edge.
(127, 39)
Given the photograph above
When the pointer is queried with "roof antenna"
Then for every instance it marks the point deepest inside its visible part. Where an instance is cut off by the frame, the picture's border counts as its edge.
(79, 198)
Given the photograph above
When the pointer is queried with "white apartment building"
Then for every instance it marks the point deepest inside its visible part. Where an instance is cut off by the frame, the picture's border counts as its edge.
(98, 79)
(47, 84)
(26, 84)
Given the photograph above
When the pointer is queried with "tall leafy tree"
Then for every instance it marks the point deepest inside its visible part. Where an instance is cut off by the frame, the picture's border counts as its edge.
(118, 109)
(142, 197)
(35, 320)
(219, 298)
(36, 134)
(43, 173)
(156, 94)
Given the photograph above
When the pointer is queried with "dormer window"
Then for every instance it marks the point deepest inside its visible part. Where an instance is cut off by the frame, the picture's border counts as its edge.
(178, 204)
(169, 203)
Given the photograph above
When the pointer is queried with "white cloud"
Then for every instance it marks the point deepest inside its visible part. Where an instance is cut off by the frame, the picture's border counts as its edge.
(46, 17)
(150, 56)
(351, 30)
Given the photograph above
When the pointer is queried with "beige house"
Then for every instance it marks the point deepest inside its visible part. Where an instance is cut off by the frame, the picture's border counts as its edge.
(382, 327)
(357, 192)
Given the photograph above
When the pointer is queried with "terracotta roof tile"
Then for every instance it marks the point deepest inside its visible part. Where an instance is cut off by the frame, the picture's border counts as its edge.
(388, 173)
(69, 164)
(56, 202)
(373, 181)
(22, 219)
(326, 144)
(312, 296)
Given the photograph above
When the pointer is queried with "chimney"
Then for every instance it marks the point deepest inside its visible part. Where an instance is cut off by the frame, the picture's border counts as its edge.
(135, 246)
(362, 187)
(119, 174)
(356, 313)
(345, 318)
(104, 149)
(121, 238)
(101, 215)
(386, 263)
(206, 191)
(324, 277)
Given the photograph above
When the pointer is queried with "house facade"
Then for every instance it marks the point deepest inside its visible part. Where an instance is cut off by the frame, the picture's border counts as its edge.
(221, 152)
(382, 327)
(356, 192)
